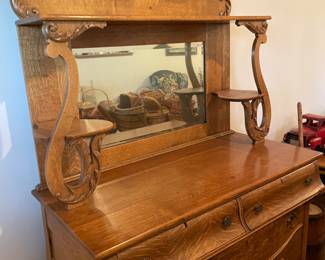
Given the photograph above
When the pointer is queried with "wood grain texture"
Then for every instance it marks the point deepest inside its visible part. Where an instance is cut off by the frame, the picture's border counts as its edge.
(140, 203)
(217, 64)
(205, 233)
(127, 8)
(140, 34)
(268, 243)
(269, 201)
(44, 77)
(238, 95)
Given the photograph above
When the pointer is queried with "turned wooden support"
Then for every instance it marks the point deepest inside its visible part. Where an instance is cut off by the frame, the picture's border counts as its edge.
(257, 132)
(70, 132)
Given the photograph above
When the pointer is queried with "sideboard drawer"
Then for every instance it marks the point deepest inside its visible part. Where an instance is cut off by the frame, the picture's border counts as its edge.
(282, 239)
(198, 237)
(269, 201)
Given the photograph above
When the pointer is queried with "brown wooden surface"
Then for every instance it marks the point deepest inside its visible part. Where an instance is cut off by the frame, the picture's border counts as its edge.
(276, 241)
(200, 235)
(238, 95)
(80, 128)
(273, 198)
(127, 9)
(167, 190)
(214, 19)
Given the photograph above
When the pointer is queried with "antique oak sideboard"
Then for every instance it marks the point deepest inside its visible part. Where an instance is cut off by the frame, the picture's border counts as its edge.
(197, 192)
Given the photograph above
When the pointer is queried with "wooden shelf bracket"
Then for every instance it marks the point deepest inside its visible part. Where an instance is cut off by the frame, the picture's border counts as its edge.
(58, 36)
(257, 132)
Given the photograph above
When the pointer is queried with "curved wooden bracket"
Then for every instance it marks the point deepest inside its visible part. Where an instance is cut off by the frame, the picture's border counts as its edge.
(255, 131)
(58, 36)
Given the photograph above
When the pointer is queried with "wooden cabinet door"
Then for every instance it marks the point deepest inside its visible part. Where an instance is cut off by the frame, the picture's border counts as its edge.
(280, 240)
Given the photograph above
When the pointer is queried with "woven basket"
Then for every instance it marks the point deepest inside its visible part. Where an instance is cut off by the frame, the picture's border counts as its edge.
(129, 118)
(155, 113)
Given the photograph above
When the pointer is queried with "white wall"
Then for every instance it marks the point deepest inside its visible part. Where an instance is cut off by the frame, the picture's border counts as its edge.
(293, 64)
(21, 233)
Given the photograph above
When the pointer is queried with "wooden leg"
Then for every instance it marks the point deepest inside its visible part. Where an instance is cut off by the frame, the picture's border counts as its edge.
(48, 244)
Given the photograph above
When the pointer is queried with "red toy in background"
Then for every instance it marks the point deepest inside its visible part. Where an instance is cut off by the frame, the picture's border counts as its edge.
(313, 133)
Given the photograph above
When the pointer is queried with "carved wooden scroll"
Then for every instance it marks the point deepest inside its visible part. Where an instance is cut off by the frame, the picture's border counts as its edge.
(58, 35)
(129, 9)
(255, 131)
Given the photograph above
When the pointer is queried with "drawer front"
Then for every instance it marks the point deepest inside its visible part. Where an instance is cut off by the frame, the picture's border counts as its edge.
(266, 203)
(282, 239)
(195, 239)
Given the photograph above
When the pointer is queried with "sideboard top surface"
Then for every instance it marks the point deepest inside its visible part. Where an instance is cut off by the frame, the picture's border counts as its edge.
(170, 189)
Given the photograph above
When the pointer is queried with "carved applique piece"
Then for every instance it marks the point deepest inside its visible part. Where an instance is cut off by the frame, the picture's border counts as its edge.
(64, 32)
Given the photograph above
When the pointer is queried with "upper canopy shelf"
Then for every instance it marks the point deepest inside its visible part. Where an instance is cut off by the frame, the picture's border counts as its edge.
(141, 19)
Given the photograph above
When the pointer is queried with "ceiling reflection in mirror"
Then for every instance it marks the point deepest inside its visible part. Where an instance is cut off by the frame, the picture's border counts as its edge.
(144, 90)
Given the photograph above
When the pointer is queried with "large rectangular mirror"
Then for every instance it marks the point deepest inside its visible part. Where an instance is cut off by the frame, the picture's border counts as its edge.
(144, 90)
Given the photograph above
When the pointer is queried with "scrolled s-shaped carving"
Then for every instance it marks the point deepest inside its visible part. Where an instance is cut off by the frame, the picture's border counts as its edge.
(65, 31)
(89, 154)
(227, 10)
(257, 132)
(21, 10)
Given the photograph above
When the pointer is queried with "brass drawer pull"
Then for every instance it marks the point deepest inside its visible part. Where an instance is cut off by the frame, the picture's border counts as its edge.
(291, 219)
(227, 221)
(258, 208)
(309, 181)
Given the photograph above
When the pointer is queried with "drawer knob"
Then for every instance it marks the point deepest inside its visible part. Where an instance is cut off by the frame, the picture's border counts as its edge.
(291, 219)
(309, 181)
(227, 221)
(258, 208)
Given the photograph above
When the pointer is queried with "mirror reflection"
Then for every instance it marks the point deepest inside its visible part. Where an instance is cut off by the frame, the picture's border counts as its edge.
(143, 90)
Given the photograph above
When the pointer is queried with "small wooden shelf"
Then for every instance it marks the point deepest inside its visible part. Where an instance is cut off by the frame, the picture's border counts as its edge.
(80, 129)
(193, 91)
(238, 95)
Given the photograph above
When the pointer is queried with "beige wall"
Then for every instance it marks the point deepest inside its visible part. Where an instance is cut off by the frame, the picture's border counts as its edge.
(293, 60)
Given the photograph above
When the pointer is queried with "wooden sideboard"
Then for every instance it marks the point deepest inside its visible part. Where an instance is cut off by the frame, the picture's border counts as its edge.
(200, 191)
(218, 199)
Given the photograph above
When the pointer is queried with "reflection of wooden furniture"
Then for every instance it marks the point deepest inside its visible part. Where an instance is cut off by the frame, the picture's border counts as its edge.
(186, 98)
(201, 192)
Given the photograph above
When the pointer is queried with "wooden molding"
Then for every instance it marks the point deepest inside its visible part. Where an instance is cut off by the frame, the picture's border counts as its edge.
(129, 9)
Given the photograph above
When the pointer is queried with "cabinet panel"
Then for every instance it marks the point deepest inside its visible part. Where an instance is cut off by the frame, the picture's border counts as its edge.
(275, 241)
(193, 240)
(264, 204)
